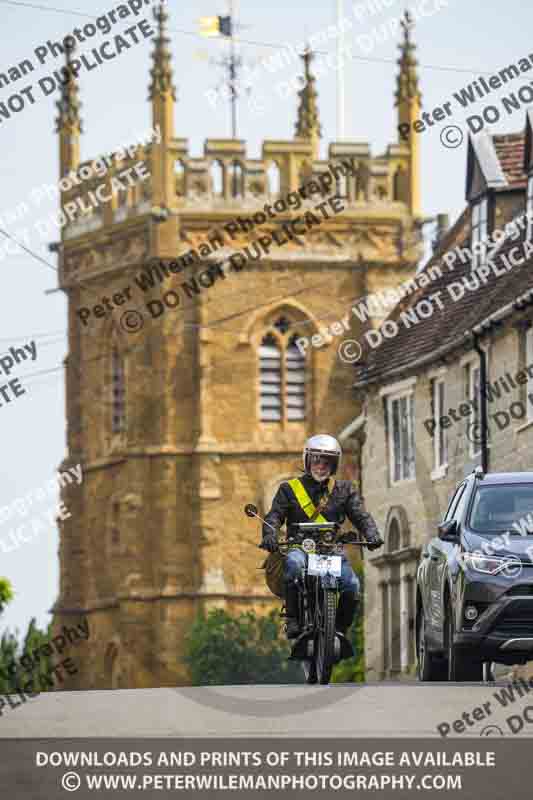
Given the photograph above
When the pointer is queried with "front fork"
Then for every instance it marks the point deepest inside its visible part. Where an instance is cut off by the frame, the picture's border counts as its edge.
(321, 584)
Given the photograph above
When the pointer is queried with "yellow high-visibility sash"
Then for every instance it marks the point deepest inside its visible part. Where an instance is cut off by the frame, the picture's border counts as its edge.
(305, 502)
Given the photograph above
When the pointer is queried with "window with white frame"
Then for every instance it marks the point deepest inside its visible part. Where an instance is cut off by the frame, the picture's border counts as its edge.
(440, 439)
(478, 241)
(400, 410)
(529, 362)
(473, 396)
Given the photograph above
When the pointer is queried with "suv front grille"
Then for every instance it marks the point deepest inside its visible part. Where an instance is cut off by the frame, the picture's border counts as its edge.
(517, 620)
(523, 590)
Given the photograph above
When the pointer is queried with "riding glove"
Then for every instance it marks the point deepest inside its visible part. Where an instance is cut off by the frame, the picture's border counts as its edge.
(374, 544)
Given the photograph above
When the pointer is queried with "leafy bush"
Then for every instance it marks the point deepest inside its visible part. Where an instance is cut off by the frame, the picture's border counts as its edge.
(222, 649)
(6, 593)
(11, 651)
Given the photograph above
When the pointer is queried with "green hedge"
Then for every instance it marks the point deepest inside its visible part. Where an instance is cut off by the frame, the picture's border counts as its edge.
(221, 649)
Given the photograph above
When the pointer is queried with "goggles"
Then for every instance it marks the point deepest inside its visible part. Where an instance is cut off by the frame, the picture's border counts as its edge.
(318, 458)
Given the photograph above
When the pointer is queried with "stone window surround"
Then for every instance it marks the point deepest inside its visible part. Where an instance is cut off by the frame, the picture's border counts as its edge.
(396, 391)
(466, 363)
(283, 342)
(252, 335)
(435, 377)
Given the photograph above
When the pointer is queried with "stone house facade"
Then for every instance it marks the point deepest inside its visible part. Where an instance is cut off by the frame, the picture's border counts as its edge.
(420, 387)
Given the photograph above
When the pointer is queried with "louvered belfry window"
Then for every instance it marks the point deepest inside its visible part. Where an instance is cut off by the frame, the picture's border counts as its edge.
(118, 378)
(282, 375)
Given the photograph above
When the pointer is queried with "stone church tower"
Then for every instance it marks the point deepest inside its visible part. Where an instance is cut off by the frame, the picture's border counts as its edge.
(207, 406)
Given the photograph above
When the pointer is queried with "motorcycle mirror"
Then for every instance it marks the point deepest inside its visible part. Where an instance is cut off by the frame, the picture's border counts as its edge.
(250, 510)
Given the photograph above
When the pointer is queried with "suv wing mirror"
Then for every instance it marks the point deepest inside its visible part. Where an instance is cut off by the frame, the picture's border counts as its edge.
(448, 531)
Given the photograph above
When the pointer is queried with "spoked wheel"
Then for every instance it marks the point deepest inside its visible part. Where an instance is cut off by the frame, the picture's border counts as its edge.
(325, 657)
(429, 667)
(461, 667)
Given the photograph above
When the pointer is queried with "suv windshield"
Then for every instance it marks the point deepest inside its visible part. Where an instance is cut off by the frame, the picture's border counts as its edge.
(502, 507)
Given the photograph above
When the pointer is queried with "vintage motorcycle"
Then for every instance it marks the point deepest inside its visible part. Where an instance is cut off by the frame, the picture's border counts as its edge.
(319, 647)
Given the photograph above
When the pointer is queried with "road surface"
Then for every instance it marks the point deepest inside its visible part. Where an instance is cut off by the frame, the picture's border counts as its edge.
(353, 710)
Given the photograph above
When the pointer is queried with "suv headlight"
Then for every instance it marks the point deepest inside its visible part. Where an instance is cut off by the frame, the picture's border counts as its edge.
(488, 564)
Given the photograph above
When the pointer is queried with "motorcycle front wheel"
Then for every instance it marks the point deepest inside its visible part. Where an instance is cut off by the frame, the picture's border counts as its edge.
(325, 656)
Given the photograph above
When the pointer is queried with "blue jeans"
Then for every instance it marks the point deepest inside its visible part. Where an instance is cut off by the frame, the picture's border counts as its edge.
(295, 563)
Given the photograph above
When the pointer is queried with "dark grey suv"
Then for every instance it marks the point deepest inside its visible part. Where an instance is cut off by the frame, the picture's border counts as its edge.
(474, 599)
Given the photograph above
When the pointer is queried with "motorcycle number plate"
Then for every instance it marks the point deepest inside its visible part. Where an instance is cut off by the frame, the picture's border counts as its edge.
(324, 565)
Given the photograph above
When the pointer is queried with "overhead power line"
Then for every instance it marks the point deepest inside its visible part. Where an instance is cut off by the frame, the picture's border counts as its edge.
(253, 42)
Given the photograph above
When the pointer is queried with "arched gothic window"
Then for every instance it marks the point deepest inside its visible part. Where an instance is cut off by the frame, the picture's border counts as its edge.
(394, 535)
(397, 184)
(274, 179)
(342, 186)
(179, 172)
(217, 178)
(306, 173)
(236, 179)
(121, 211)
(118, 389)
(282, 375)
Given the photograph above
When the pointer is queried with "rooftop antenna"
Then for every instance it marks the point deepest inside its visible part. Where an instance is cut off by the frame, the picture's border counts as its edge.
(231, 63)
(340, 70)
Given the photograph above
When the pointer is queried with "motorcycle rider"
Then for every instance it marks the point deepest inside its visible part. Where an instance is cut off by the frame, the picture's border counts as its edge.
(317, 497)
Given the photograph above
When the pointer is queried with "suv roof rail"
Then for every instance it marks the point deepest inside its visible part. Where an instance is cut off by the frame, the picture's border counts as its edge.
(478, 472)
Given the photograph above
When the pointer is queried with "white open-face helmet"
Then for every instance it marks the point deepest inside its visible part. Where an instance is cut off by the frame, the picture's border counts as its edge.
(324, 445)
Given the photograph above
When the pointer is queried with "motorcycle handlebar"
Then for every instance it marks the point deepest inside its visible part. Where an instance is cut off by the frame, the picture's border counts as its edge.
(342, 540)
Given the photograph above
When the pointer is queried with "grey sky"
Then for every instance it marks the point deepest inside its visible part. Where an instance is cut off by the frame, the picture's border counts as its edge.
(468, 38)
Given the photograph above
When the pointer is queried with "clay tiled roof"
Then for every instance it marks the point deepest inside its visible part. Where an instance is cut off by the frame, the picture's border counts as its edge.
(510, 152)
(445, 329)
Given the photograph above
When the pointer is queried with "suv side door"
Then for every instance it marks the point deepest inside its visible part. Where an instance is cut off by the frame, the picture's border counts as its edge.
(438, 553)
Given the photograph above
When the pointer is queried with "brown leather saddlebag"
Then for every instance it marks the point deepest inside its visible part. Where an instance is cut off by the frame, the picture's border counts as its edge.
(274, 568)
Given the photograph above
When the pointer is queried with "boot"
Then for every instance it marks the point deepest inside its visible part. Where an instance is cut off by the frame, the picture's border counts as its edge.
(291, 605)
(345, 612)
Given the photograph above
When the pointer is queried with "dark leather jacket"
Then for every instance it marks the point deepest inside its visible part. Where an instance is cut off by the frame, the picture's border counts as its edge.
(343, 502)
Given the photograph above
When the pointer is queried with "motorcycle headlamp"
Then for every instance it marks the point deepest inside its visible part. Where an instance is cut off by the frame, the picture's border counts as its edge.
(308, 546)
(487, 564)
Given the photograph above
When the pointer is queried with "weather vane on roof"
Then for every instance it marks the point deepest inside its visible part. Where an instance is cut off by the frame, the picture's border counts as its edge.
(225, 26)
